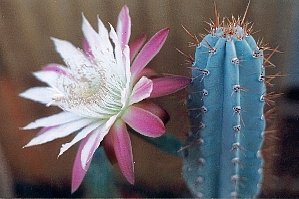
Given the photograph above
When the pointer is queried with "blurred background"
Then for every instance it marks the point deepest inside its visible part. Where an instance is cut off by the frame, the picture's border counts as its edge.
(25, 46)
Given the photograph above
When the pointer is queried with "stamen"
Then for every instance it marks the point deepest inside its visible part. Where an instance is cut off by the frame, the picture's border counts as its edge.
(90, 94)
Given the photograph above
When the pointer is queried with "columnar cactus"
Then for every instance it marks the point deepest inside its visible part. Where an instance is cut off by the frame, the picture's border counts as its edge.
(226, 101)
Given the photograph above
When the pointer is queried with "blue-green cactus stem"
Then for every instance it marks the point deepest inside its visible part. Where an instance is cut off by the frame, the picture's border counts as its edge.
(226, 112)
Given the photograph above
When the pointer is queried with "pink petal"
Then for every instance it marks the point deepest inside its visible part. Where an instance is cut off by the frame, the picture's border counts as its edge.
(55, 68)
(136, 45)
(108, 147)
(168, 85)
(144, 122)
(123, 149)
(86, 48)
(78, 172)
(149, 51)
(154, 109)
(123, 28)
(141, 90)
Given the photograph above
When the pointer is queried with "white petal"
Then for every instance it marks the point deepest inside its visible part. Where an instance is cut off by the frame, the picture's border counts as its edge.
(103, 33)
(39, 94)
(125, 94)
(101, 48)
(72, 56)
(94, 141)
(122, 64)
(100, 44)
(59, 132)
(127, 62)
(82, 134)
(82, 72)
(48, 77)
(118, 51)
(53, 120)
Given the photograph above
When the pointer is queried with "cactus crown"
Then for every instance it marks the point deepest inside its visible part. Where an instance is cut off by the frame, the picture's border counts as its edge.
(228, 28)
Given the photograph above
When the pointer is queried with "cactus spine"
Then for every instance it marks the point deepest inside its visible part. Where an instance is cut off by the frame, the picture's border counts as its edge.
(225, 105)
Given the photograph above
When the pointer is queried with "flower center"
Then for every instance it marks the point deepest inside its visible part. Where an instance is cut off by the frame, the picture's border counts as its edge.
(91, 92)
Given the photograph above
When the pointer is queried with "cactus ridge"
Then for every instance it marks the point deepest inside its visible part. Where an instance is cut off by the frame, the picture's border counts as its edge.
(226, 103)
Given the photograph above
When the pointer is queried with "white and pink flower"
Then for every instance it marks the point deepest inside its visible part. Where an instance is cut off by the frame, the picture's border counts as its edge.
(101, 89)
